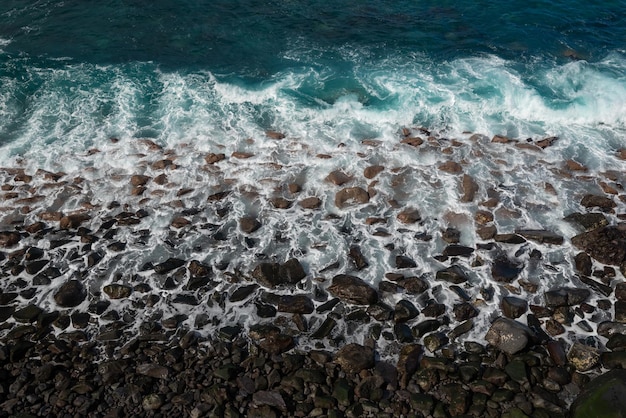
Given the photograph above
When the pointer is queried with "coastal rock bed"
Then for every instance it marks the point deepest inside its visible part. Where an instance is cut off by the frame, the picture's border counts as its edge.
(384, 277)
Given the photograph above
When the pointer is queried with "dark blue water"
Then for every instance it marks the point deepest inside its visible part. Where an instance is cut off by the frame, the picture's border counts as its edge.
(384, 55)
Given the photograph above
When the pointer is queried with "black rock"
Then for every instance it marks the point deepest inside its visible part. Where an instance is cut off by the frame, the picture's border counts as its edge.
(168, 265)
(583, 263)
(513, 307)
(413, 285)
(565, 296)
(353, 290)
(274, 274)
(453, 274)
(357, 257)
(464, 311)
(505, 270)
(36, 266)
(606, 244)
(300, 304)
(404, 262)
(541, 236)
(405, 311)
(588, 221)
(242, 292)
(354, 357)
(70, 294)
(457, 250)
(604, 203)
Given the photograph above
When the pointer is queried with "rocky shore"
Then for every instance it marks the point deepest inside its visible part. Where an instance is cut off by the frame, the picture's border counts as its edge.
(126, 306)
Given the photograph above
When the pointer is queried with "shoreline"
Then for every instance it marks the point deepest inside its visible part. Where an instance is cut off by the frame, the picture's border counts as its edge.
(89, 282)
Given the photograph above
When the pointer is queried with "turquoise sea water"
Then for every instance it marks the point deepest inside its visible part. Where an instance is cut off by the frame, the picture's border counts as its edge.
(77, 73)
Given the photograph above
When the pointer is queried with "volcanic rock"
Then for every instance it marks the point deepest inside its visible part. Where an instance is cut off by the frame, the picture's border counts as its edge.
(353, 290)
(509, 336)
(606, 244)
(354, 357)
(249, 224)
(351, 196)
(274, 274)
(70, 294)
(604, 203)
(9, 238)
(453, 274)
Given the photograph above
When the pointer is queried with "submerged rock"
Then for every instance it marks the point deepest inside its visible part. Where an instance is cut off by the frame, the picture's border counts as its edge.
(351, 196)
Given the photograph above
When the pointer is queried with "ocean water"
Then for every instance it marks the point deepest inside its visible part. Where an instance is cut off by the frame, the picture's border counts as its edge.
(214, 76)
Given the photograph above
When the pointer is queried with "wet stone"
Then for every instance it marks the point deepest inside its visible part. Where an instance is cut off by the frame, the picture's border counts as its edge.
(35, 266)
(606, 244)
(27, 314)
(409, 216)
(453, 274)
(583, 263)
(351, 196)
(243, 293)
(168, 265)
(300, 304)
(513, 307)
(70, 294)
(565, 297)
(357, 258)
(588, 221)
(117, 291)
(464, 311)
(354, 357)
(9, 238)
(274, 274)
(451, 235)
(583, 357)
(249, 224)
(353, 290)
(602, 202)
(505, 270)
(413, 285)
(457, 251)
(508, 335)
(405, 311)
(404, 262)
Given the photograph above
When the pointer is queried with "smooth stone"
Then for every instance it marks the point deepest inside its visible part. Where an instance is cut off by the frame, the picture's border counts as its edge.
(353, 290)
(605, 397)
(453, 274)
(509, 336)
(71, 293)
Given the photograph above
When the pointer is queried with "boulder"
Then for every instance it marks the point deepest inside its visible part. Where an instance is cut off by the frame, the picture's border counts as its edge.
(249, 224)
(168, 265)
(606, 244)
(594, 201)
(513, 307)
(299, 304)
(274, 274)
(351, 196)
(353, 358)
(372, 171)
(453, 274)
(9, 238)
(353, 290)
(505, 270)
(469, 187)
(409, 216)
(588, 221)
(509, 336)
(117, 291)
(71, 293)
(310, 202)
(583, 357)
(565, 296)
(338, 178)
(605, 397)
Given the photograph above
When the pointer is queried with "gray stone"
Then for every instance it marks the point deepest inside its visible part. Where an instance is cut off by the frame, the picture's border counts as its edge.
(509, 336)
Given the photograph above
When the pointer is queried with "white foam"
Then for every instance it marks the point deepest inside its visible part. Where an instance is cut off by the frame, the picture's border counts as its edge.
(192, 114)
